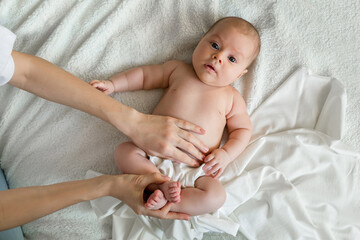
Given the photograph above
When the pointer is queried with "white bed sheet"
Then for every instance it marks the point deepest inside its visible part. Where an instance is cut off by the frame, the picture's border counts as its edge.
(44, 143)
(295, 180)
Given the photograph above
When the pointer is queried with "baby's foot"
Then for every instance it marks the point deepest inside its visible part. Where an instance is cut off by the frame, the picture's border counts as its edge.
(156, 200)
(171, 191)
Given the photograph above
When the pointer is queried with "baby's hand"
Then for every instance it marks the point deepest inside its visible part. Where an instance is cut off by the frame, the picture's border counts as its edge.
(216, 162)
(105, 86)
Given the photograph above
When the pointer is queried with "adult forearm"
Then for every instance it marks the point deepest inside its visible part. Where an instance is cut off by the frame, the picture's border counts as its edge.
(157, 135)
(48, 81)
(22, 205)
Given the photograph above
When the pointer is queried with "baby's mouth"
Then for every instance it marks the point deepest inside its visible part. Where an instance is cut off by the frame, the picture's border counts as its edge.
(210, 68)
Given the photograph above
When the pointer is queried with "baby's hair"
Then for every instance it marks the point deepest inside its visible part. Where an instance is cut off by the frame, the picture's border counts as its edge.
(245, 26)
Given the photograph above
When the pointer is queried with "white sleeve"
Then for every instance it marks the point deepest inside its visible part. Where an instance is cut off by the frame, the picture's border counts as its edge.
(6, 61)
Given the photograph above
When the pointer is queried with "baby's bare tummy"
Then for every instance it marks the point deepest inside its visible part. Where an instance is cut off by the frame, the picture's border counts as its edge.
(198, 109)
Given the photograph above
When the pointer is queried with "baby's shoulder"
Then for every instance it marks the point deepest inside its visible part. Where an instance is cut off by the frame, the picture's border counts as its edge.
(179, 70)
(234, 92)
(170, 67)
(236, 97)
(176, 66)
(175, 63)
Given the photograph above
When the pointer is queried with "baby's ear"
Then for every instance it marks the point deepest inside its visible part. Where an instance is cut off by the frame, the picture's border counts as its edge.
(244, 72)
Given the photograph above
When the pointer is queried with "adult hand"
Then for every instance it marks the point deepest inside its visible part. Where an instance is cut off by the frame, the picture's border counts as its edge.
(160, 136)
(169, 138)
(130, 189)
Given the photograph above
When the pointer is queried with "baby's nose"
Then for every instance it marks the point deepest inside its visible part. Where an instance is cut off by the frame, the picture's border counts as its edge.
(215, 56)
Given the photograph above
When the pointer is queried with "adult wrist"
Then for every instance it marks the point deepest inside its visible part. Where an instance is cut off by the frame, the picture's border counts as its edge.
(101, 187)
(131, 123)
(116, 186)
(122, 117)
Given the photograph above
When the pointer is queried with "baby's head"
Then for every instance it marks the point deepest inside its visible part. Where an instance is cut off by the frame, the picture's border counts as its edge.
(225, 52)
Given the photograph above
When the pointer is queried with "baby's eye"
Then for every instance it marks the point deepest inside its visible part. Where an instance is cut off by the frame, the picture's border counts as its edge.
(232, 59)
(215, 46)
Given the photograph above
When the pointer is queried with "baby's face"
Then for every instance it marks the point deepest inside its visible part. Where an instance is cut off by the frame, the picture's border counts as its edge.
(222, 55)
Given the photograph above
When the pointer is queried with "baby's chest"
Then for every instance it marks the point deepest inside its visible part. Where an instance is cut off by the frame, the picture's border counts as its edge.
(200, 101)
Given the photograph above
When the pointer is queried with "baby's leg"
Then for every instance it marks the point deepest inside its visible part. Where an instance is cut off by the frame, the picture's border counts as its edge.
(207, 196)
(131, 159)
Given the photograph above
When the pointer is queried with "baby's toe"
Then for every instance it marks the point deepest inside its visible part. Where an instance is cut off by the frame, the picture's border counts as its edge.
(174, 185)
(173, 195)
(149, 205)
(173, 190)
(176, 199)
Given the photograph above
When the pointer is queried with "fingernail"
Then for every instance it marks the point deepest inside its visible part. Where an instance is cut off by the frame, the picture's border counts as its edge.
(202, 131)
(205, 149)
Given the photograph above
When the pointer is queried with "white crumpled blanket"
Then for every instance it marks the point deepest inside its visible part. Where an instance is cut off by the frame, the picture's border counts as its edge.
(295, 179)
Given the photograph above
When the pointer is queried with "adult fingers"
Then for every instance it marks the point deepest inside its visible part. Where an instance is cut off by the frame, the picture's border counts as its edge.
(189, 148)
(190, 143)
(180, 156)
(177, 215)
(189, 126)
(165, 213)
(157, 178)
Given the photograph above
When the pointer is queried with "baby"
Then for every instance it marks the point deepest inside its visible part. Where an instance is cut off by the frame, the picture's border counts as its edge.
(199, 93)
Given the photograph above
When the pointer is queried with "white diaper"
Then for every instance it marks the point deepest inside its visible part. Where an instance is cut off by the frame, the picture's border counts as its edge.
(178, 171)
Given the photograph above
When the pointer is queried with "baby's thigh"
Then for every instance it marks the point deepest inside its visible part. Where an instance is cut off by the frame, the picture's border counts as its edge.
(131, 159)
(215, 191)
(128, 150)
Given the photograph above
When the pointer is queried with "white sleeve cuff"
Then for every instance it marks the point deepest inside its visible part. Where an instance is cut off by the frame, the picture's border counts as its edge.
(7, 72)
(7, 66)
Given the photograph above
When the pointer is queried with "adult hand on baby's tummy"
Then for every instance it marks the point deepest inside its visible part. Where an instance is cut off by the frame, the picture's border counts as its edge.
(216, 162)
(105, 86)
(169, 138)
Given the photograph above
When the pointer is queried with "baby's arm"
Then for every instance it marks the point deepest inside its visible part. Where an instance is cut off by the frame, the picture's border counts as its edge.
(239, 127)
(144, 77)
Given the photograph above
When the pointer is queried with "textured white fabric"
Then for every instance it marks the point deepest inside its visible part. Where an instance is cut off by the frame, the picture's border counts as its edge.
(43, 143)
(6, 61)
(178, 171)
(295, 180)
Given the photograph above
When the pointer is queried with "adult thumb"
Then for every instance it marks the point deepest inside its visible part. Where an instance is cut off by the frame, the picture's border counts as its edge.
(157, 178)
